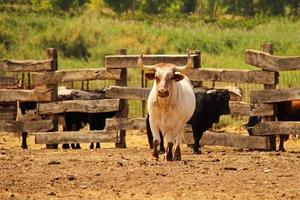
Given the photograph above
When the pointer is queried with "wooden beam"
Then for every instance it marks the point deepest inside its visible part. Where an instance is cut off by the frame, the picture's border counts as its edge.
(277, 127)
(130, 61)
(230, 140)
(125, 124)
(64, 76)
(22, 126)
(75, 137)
(270, 62)
(127, 92)
(38, 95)
(232, 75)
(88, 106)
(25, 65)
(274, 95)
(247, 109)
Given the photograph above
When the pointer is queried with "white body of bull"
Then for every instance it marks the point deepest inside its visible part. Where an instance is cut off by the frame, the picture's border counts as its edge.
(170, 115)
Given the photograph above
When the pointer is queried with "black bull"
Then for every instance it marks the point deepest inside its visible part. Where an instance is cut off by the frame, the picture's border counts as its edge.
(210, 105)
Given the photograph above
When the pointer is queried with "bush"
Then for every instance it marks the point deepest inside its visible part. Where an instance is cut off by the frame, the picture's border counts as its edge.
(71, 43)
(6, 39)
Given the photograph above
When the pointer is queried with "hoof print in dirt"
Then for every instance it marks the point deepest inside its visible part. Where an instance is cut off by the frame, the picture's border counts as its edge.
(54, 162)
(71, 177)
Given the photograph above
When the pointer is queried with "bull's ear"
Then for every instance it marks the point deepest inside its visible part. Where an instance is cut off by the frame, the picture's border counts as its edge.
(178, 76)
(150, 75)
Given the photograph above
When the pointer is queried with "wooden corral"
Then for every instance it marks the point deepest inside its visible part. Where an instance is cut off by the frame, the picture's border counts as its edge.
(44, 79)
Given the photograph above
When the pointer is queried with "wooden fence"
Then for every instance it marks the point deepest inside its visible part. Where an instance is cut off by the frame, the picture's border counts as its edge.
(45, 77)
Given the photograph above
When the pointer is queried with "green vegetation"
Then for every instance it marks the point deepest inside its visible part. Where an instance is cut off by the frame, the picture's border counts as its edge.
(84, 31)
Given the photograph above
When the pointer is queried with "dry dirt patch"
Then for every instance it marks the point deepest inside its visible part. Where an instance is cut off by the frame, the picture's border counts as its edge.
(109, 173)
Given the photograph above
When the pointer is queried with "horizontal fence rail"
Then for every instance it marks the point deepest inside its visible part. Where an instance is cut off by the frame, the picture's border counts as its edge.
(37, 95)
(232, 75)
(31, 126)
(277, 127)
(64, 76)
(275, 95)
(270, 62)
(236, 108)
(75, 137)
(88, 106)
(26, 65)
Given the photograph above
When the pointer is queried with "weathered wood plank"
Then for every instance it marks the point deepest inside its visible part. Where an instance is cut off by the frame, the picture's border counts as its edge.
(25, 65)
(127, 92)
(88, 106)
(130, 61)
(125, 124)
(277, 127)
(31, 126)
(230, 140)
(274, 95)
(75, 137)
(270, 62)
(247, 109)
(232, 75)
(39, 95)
(75, 75)
(9, 82)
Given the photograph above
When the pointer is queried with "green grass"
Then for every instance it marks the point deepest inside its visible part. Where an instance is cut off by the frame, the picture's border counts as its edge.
(83, 41)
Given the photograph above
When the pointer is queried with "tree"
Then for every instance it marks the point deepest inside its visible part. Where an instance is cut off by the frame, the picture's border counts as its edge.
(120, 6)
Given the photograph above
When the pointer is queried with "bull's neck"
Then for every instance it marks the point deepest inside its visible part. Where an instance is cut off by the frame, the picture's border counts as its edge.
(168, 102)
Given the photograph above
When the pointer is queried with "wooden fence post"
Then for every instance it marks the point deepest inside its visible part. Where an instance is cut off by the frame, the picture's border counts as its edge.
(197, 64)
(51, 53)
(123, 103)
(269, 49)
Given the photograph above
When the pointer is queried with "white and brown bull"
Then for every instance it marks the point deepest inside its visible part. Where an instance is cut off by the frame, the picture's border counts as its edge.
(171, 104)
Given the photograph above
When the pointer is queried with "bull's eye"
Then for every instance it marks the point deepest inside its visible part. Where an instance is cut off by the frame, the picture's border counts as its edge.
(157, 78)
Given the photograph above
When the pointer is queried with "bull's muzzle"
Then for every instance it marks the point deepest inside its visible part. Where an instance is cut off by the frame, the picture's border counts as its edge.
(163, 93)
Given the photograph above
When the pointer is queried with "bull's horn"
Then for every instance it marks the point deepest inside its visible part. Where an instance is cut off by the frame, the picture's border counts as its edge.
(211, 91)
(141, 65)
(188, 65)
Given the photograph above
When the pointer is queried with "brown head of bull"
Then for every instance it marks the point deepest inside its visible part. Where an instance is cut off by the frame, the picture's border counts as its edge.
(164, 73)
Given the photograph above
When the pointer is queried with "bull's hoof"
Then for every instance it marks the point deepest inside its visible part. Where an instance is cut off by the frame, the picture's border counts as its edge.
(197, 152)
(92, 146)
(169, 156)
(282, 149)
(98, 146)
(65, 146)
(177, 157)
(162, 150)
(155, 156)
(24, 146)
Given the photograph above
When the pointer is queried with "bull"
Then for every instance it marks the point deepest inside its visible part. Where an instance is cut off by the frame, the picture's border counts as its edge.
(286, 111)
(210, 105)
(170, 104)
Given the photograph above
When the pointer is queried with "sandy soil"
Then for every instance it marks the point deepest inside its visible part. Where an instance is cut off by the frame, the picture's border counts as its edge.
(109, 173)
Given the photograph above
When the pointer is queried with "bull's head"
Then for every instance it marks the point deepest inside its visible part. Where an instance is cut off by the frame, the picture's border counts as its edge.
(164, 73)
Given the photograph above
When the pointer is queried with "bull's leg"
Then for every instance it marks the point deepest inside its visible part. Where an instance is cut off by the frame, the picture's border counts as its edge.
(149, 133)
(65, 146)
(197, 136)
(155, 152)
(169, 154)
(24, 140)
(177, 154)
(98, 145)
(161, 146)
(92, 145)
(156, 138)
(282, 138)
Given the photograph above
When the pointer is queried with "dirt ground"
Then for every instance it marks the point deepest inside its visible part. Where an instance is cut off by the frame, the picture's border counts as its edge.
(109, 173)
